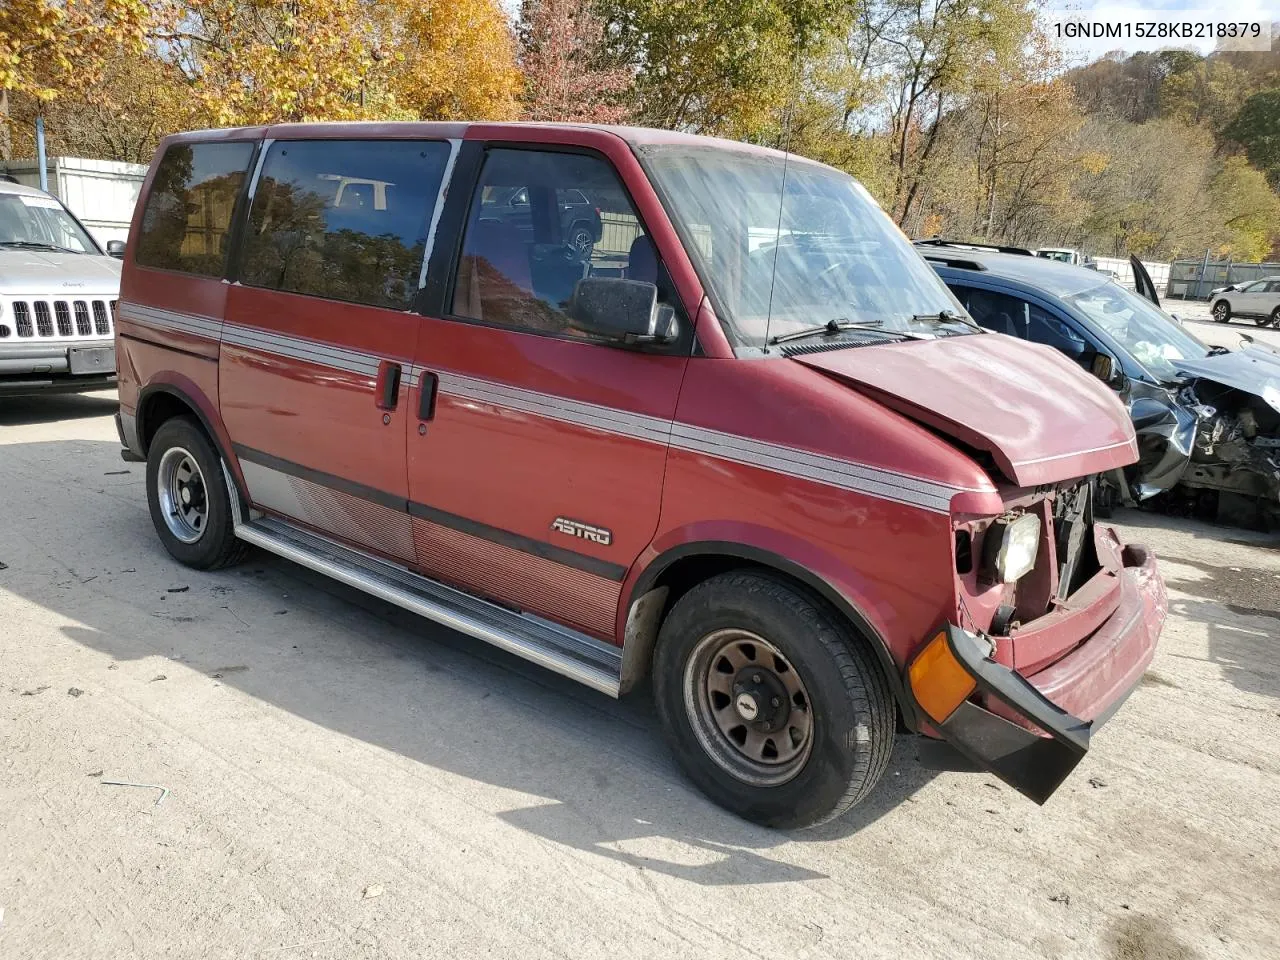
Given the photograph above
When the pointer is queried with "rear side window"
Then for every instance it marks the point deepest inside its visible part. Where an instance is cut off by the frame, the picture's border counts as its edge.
(344, 219)
(186, 225)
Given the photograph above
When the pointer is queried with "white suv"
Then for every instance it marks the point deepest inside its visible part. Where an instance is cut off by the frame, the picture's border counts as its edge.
(58, 293)
(1259, 300)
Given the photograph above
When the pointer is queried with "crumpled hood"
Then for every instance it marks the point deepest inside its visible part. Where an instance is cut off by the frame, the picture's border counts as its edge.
(1040, 416)
(1253, 369)
(47, 273)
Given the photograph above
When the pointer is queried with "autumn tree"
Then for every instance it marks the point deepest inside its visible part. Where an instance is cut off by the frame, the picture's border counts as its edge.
(49, 47)
(1248, 209)
(561, 45)
(138, 99)
(714, 66)
(262, 61)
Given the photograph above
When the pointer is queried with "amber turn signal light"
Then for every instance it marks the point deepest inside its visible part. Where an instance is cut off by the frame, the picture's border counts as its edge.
(938, 681)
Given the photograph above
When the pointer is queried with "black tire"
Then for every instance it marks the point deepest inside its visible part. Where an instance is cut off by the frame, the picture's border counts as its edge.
(851, 709)
(1222, 312)
(1274, 319)
(216, 544)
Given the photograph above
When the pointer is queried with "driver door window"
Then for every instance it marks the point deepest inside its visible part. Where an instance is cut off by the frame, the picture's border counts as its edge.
(521, 270)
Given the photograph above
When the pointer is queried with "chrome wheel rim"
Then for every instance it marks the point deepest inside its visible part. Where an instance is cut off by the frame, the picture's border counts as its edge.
(1220, 311)
(183, 496)
(748, 707)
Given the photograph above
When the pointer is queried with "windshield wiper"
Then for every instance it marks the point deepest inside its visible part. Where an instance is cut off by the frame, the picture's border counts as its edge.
(942, 316)
(36, 245)
(837, 326)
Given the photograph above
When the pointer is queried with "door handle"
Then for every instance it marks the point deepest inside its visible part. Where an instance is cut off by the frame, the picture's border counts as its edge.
(428, 385)
(388, 385)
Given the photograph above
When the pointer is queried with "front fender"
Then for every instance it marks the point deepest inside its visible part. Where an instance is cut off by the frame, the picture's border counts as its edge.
(792, 556)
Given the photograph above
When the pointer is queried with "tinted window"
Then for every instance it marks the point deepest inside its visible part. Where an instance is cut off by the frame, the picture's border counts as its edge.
(344, 219)
(187, 221)
(1273, 286)
(1018, 318)
(520, 262)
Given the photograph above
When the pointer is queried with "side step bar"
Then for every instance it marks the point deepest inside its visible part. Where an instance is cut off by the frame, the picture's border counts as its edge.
(550, 645)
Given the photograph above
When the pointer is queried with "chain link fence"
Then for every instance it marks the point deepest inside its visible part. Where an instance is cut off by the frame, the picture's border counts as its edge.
(1194, 279)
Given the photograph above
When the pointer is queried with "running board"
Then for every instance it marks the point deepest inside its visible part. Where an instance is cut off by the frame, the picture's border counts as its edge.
(550, 645)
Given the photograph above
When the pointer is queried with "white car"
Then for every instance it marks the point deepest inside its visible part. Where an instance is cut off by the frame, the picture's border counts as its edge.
(1259, 300)
(58, 291)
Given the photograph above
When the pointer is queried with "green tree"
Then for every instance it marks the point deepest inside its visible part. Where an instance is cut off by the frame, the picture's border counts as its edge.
(1248, 209)
(1256, 127)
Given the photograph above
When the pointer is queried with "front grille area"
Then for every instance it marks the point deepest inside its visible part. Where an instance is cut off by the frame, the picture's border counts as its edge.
(38, 319)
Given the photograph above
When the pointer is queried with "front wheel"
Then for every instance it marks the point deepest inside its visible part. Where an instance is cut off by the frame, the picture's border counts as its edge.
(187, 495)
(1271, 321)
(772, 706)
(1222, 311)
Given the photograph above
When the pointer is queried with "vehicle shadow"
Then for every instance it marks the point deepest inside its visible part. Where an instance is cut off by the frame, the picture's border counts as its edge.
(1242, 643)
(598, 768)
(46, 408)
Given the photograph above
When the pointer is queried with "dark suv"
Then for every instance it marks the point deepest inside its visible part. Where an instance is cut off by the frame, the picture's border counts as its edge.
(1207, 419)
(579, 219)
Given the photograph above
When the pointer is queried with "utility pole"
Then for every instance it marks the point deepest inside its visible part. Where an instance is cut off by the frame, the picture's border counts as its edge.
(44, 174)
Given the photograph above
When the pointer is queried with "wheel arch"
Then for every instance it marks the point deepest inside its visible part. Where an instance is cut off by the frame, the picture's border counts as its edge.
(158, 402)
(674, 572)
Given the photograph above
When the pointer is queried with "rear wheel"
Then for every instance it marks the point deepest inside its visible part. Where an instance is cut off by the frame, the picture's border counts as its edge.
(1264, 320)
(771, 705)
(1275, 318)
(187, 495)
(1222, 311)
(581, 241)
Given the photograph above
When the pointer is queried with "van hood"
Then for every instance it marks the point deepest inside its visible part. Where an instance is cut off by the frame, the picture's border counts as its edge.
(1040, 417)
(47, 273)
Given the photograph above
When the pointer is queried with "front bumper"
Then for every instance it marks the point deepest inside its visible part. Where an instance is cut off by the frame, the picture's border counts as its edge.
(57, 367)
(1032, 731)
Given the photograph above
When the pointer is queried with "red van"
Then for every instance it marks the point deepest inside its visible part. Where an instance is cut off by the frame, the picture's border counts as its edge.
(744, 440)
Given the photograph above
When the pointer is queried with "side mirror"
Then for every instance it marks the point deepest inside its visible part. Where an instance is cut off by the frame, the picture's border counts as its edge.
(115, 248)
(1105, 369)
(621, 311)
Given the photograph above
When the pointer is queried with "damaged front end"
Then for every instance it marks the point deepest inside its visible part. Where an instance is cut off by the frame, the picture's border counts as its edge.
(1047, 640)
(1233, 470)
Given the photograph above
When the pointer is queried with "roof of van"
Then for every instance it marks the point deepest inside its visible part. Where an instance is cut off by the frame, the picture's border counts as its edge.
(637, 136)
(1060, 279)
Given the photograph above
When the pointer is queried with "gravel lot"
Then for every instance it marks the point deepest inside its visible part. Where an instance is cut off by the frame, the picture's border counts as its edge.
(346, 782)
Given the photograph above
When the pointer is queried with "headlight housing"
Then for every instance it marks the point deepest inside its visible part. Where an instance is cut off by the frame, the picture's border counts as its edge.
(1010, 547)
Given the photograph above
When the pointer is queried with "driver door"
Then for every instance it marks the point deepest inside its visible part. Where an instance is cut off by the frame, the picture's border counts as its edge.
(536, 460)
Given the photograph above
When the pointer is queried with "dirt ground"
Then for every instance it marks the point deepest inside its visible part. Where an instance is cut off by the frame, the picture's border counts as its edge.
(345, 782)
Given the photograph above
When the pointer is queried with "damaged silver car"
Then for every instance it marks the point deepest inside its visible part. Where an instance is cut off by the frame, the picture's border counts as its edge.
(1207, 418)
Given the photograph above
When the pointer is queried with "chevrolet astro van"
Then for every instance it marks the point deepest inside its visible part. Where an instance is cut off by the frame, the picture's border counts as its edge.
(744, 441)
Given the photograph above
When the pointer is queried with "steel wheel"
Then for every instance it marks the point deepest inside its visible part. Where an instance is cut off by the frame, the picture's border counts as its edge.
(1221, 312)
(748, 707)
(183, 497)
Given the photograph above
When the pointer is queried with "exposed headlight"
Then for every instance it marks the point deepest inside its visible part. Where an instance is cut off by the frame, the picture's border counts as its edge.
(1010, 547)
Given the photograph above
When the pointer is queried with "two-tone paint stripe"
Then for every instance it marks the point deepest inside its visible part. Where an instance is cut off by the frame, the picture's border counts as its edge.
(776, 458)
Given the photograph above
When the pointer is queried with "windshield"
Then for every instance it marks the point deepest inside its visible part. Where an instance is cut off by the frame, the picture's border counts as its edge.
(34, 222)
(1140, 327)
(777, 264)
